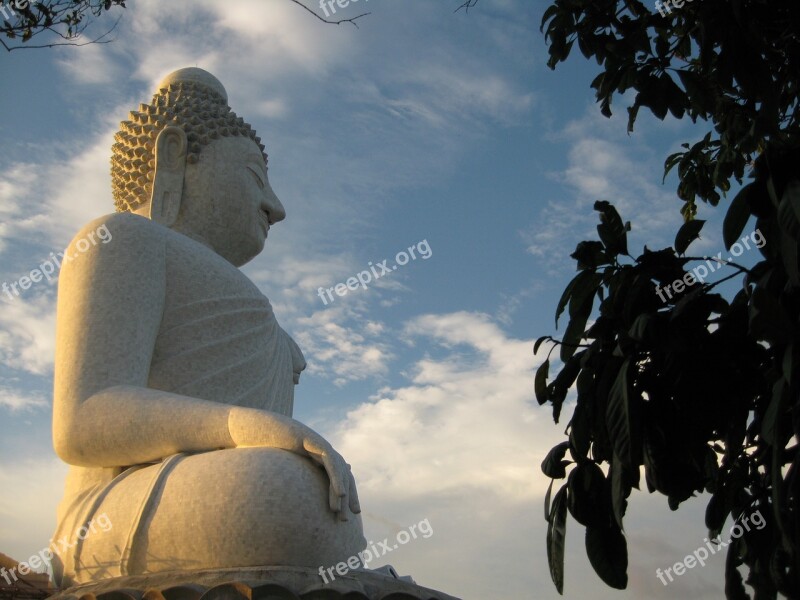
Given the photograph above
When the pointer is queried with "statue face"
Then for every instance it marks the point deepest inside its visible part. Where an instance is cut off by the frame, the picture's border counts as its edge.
(227, 202)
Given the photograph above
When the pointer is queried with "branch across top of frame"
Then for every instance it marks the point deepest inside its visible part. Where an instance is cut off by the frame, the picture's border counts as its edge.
(331, 6)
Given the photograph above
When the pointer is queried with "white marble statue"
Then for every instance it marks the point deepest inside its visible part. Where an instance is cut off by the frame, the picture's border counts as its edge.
(173, 380)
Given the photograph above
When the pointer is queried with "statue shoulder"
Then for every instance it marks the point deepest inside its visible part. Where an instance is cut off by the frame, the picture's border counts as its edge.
(119, 238)
(133, 231)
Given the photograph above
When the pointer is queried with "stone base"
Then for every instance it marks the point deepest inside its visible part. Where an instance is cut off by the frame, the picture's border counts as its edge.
(252, 583)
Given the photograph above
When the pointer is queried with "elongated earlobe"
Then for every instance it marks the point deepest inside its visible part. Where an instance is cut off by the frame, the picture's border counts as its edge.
(170, 168)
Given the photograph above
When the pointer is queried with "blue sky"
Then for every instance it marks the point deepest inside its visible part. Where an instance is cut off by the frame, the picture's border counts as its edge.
(420, 125)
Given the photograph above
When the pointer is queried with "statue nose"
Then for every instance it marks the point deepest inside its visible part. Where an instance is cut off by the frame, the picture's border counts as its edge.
(272, 205)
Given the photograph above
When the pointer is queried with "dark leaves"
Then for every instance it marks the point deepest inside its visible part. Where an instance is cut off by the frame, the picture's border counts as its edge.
(590, 255)
(737, 216)
(620, 417)
(554, 465)
(613, 233)
(587, 486)
(660, 382)
(556, 537)
(608, 554)
(688, 233)
(540, 382)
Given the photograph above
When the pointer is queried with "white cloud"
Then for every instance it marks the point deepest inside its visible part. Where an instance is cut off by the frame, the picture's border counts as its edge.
(341, 346)
(272, 109)
(17, 402)
(96, 65)
(472, 407)
(27, 333)
(460, 445)
(47, 202)
(604, 164)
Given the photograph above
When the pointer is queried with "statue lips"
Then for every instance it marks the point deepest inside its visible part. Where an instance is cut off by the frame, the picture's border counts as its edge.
(264, 222)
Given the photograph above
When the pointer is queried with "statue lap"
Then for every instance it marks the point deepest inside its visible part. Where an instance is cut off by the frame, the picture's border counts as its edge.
(228, 508)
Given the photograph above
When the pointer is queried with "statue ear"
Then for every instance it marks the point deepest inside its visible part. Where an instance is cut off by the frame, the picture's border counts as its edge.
(168, 179)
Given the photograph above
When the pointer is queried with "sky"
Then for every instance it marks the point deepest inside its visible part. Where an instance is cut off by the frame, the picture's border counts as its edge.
(422, 128)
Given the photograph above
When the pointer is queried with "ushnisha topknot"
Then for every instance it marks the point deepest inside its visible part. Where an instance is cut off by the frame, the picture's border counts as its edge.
(191, 99)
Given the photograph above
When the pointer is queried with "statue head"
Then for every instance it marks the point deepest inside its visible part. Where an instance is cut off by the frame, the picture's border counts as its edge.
(188, 162)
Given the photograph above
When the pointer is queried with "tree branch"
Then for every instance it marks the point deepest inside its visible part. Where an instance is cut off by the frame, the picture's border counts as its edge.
(467, 5)
(328, 21)
(97, 40)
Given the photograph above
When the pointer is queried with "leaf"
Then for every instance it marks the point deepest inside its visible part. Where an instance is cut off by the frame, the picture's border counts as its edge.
(734, 585)
(620, 490)
(580, 307)
(737, 216)
(639, 328)
(547, 500)
(540, 382)
(586, 493)
(575, 330)
(774, 413)
(768, 318)
(585, 289)
(612, 231)
(562, 303)
(716, 512)
(652, 97)
(791, 197)
(590, 255)
(556, 538)
(554, 465)
(569, 373)
(579, 436)
(607, 550)
(539, 342)
(791, 357)
(551, 11)
(619, 418)
(633, 112)
(688, 233)
(670, 162)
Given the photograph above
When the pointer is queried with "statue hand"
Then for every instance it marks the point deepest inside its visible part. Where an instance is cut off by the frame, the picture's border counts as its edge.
(342, 493)
(253, 427)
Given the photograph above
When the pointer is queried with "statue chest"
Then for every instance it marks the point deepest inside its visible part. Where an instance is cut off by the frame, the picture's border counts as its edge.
(219, 339)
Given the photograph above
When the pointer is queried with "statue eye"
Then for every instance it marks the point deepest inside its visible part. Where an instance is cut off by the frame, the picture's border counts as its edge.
(257, 176)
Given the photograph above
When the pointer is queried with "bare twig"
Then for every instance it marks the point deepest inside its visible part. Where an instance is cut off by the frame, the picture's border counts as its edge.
(721, 261)
(324, 20)
(467, 5)
(97, 40)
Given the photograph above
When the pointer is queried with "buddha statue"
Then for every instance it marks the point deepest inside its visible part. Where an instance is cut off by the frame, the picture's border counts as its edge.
(174, 383)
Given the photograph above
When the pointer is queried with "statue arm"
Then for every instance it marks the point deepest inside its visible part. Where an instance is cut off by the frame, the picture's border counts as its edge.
(110, 303)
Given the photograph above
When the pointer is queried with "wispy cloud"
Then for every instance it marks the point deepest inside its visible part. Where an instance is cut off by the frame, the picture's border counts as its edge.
(27, 334)
(16, 401)
(603, 163)
(480, 390)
